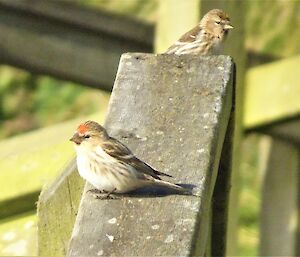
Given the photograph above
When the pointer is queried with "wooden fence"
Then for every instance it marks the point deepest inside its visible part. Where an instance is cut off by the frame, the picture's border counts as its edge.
(56, 38)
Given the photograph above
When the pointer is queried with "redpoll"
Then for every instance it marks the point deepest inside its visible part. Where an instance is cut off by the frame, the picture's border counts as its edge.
(109, 165)
(206, 38)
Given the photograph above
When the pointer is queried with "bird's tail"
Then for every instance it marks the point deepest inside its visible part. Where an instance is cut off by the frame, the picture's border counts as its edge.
(170, 185)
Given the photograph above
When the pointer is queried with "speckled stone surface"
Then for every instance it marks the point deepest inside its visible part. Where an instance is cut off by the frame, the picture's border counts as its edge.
(172, 112)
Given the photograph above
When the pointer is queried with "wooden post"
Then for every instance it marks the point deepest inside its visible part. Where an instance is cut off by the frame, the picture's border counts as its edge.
(279, 205)
(234, 47)
(174, 118)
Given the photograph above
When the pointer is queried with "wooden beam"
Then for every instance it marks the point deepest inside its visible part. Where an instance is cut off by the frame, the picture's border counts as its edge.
(176, 130)
(286, 129)
(68, 41)
(272, 93)
(256, 58)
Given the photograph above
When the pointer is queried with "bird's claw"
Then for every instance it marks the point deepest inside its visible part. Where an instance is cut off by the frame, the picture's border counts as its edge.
(103, 194)
(95, 191)
(106, 197)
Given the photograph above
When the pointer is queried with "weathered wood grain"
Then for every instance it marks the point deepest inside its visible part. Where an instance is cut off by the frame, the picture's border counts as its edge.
(172, 112)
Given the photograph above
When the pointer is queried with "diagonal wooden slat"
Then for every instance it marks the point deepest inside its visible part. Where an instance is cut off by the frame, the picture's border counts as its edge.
(68, 41)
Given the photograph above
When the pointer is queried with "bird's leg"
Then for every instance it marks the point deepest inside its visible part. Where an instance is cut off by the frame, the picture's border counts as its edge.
(111, 192)
(95, 191)
(98, 194)
(108, 195)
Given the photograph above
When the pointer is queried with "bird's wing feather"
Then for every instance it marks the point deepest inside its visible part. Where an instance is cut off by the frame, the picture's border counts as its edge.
(191, 35)
(188, 37)
(119, 151)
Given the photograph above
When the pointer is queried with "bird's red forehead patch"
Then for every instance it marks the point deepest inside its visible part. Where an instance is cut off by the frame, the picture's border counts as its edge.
(82, 128)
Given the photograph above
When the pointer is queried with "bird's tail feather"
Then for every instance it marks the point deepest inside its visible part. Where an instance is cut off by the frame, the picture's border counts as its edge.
(159, 173)
(173, 186)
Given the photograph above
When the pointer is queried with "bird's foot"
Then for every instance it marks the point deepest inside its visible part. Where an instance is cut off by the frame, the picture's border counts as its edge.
(95, 191)
(103, 194)
(107, 197)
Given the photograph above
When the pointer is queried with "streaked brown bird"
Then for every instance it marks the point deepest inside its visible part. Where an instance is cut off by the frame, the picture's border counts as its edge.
(109, 165)
(206, 38)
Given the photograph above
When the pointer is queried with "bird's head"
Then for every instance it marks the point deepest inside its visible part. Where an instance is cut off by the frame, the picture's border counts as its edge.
(89, 132)
(217, 23)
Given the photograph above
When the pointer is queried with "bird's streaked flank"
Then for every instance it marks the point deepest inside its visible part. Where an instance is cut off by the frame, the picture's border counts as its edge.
(109, 165)
(206, 38)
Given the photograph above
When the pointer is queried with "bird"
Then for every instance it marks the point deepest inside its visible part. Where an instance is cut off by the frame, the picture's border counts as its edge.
(206, 38)
(110, 166)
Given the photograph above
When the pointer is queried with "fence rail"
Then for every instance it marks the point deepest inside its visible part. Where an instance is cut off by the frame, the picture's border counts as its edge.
(68, 41)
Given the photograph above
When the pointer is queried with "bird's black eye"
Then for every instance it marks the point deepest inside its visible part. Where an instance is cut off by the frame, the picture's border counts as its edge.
(218, 22)
(87, 136)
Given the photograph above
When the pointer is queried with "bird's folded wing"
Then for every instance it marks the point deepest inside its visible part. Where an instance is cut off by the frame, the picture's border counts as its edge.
(188, 37)
(116, 149)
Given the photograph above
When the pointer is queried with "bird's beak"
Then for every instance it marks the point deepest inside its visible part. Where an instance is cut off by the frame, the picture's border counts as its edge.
(228, 26)
(76, 139)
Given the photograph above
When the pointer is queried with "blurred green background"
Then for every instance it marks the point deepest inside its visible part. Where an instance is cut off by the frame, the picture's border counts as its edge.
(29, 102)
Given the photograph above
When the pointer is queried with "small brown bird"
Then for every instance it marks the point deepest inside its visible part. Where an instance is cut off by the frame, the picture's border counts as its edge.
(206, 38)
(109, 165)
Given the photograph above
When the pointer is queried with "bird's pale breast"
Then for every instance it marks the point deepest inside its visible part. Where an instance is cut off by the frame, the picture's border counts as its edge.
(105, 172)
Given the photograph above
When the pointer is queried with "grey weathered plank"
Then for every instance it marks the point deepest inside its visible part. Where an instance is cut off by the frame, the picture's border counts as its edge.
(172, 112)
(67, 41)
